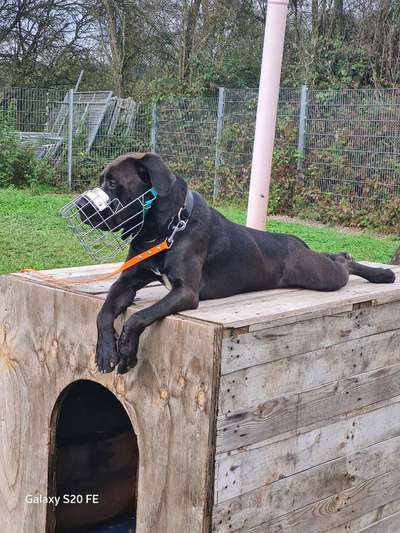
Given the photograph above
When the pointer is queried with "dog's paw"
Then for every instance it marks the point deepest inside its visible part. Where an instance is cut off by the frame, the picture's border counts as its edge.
(107, 356)
(127, 351)
(386, 275)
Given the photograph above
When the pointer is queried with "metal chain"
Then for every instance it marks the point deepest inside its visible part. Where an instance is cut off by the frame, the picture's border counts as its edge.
(180, 226)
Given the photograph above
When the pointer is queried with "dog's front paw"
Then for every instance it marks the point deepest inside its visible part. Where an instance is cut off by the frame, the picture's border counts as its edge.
(106, 355)
(127, 351)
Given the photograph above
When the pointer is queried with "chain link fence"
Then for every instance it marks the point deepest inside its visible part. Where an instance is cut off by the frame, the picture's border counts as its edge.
(40, 118)
(352, 143)
(343, 143)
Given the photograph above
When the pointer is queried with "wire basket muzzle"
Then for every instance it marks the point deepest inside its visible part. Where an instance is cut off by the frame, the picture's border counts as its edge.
(104, 226)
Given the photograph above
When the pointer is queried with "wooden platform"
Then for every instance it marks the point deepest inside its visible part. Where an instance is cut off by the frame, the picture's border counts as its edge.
(265, 412)
(246, 309)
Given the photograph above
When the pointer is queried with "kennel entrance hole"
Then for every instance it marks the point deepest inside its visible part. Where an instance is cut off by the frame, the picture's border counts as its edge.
(94, 465)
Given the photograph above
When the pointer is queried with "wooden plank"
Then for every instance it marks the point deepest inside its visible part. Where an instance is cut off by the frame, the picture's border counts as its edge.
(370, 462)
(337, 509)
(169, 397)
(295, 411)
(302, 302)
(105, 267)
(266, 503)
(273, 343)
(210, 473)
(249, 468)
(390, 524)
(276, 305)
(337, 309)
(245, 389)
(62, 276)
(75, 272)
(298, 304)
(145, 297)
(368, 518)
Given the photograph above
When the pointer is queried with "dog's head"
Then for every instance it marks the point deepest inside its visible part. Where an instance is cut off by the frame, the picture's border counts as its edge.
(124, 181)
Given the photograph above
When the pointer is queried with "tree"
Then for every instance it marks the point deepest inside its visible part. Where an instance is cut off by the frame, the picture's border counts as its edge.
(147, 48)
(188, 38)
(36, 34)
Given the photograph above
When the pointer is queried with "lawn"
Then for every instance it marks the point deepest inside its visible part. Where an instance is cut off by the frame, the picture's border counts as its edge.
(33, 235)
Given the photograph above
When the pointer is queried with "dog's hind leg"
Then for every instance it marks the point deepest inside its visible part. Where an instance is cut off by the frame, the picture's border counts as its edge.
(311, 270)
(372, 274)
(327, 271)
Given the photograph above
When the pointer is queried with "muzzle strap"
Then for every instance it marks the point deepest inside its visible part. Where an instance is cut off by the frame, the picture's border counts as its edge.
(148, 203)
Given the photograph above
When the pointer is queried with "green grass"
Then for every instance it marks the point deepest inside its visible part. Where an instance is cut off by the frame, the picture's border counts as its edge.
(33, 235)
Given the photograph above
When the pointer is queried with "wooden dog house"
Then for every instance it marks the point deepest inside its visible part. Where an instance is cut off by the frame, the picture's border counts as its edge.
(265, 412)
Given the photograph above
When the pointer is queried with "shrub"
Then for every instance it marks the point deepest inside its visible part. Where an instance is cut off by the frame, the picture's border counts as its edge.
(383, 216)
(19, 165)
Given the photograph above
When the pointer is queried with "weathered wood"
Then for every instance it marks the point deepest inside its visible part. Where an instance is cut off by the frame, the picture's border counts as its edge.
(67, 279)
(269, 411)
(298, 410)
(390, 524)
(209, 495)
(246, 469)
(337, 509)
(47, 342)
(273, 343)
(300, 302)
(368, 519)
(246, 389)
(272, 500)
(275, 305)
(375, 459)
(268, 502)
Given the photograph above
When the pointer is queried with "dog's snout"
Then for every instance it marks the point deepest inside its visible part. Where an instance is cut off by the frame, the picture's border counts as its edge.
(87, 212)
(81, 202)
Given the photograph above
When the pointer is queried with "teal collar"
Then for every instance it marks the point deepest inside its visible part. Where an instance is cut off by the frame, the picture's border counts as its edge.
(148, 203)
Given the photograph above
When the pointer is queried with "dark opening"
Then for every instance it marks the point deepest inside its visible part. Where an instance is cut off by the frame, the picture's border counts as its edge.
(93, 464)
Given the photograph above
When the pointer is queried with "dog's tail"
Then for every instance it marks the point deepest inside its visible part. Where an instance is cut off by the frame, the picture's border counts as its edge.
(372, 274)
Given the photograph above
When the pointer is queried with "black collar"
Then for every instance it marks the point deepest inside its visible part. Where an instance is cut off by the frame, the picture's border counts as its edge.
(180, 220)
(184, 212)
(188, 205)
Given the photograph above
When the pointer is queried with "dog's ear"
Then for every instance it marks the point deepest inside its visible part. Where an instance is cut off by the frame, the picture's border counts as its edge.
(160, 175)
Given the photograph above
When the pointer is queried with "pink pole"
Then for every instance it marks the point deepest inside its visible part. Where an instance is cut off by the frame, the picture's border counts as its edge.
(268, 96)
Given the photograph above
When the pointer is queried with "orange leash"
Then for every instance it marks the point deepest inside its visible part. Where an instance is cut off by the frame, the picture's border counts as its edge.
(164, 245)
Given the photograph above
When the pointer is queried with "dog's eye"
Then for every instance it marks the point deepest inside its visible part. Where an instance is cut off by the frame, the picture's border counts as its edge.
(112, 184)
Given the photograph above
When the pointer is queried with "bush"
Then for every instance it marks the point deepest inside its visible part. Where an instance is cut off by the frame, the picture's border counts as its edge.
(19, 165)
(382, 216)
(292, 197)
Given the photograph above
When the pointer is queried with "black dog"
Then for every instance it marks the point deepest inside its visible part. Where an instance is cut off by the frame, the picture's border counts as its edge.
(211, 258)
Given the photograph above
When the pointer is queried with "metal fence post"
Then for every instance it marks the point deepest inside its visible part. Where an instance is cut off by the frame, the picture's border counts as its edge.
(70, 134)
(220, 127)
(154, 128)
(302, 128)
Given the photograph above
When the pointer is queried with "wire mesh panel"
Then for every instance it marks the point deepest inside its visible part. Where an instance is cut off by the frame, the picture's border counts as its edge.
(31, 108)
(353, 144)
(185, 135)
(238, 134)
(351, 138)
(124, 127)
(30, 113)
